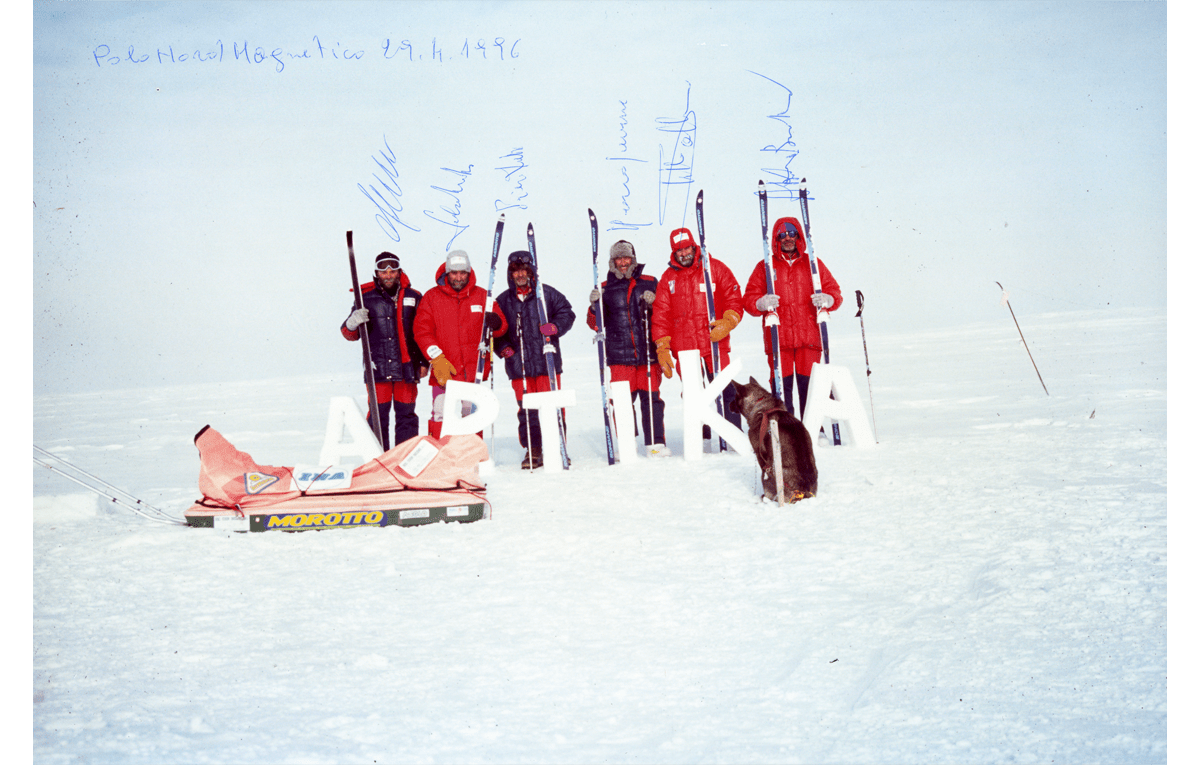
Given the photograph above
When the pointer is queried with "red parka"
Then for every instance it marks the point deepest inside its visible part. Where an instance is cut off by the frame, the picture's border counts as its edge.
(793, 285)
(681, 305)
(450, 323)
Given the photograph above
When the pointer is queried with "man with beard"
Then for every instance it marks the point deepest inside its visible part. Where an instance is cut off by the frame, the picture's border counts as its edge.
(448, 326)
(680, 320)
(521, 346)
(389, 305)
(626, 299)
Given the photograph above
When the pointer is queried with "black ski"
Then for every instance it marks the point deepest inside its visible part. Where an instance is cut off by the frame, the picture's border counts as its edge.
(712, 305)
(600, 346)
(548, 347)
(485, 333)
(364, 336)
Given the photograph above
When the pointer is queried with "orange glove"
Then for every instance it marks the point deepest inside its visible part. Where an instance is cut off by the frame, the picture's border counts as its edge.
(720, 328)
(442, 369)
(663, 346)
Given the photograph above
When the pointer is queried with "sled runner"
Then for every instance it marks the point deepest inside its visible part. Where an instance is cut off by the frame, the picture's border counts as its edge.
(423, 480)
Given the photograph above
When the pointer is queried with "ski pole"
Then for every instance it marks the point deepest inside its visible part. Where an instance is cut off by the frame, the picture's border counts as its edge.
(1004, 299)
(524, 391)
(858, 294)
(649, 377)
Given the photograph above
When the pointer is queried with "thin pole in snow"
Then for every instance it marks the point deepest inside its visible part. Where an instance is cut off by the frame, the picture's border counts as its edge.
(1004, 298)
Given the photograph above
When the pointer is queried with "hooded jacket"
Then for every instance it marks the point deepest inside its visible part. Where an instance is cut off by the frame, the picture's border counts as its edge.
(394, 351)
(625, 317)
(681, 305)
(451, 323)
(794, 286)
(524, 323)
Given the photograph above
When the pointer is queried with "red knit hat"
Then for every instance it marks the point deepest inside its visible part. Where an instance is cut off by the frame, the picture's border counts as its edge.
(681, 238)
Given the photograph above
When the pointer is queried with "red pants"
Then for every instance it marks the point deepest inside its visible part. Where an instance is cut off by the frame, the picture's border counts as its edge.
(636, 376)
(796, 360)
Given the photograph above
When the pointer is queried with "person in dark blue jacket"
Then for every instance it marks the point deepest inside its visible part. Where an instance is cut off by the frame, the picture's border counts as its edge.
(521, 345)
(628, 296)
(389, 305)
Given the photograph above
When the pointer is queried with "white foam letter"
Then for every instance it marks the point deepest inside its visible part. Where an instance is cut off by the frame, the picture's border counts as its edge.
(845, 407)
(346, 417)
(550, 400)
(700, 406)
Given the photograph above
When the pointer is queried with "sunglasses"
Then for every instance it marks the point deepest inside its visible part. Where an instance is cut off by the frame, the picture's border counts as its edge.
(786, 235)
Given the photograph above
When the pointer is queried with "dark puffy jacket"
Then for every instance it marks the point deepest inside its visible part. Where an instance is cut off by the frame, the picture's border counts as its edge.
(794, 286)
(523, 319)
(452, 322)
(681, 305)
(625, 318)
(394, 350)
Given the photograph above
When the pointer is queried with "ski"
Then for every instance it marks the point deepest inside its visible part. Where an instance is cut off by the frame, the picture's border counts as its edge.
(600, 347)
(822, 314)
(548, 347)
(485, 334)
(365, 337)
(859, 296)
(772, 321)
(712, 306)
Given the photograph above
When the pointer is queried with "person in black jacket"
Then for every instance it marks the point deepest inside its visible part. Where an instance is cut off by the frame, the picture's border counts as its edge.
(521, 345)
(627, 297)
(389, 306)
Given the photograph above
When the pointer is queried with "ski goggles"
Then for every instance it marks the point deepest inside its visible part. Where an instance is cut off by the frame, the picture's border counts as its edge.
(387, 264)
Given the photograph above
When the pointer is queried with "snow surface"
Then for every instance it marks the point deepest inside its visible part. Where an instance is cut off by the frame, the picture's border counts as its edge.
(988, 585)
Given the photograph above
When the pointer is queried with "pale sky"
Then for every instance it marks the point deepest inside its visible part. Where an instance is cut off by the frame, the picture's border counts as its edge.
(196, 166)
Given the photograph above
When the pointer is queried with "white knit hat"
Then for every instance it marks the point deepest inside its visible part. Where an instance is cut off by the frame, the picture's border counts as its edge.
(458, 261)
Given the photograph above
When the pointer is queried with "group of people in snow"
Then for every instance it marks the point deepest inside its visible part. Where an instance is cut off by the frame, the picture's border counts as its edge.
(647, 323)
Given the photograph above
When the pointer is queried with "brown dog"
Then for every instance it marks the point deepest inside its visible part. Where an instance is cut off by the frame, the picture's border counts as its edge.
(759, 407)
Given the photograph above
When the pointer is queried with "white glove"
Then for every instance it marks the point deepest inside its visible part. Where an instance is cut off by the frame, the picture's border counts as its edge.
(592, 298)
(648, 297)
(767, 303)
(358, 318)
(821, 300)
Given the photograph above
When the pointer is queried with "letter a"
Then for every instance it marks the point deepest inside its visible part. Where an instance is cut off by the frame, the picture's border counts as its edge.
(845, 407)
(346, 417)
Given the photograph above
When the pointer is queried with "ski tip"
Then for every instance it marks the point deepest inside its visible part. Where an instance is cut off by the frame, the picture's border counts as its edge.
(591, 214)
(349, 237)
(761, 185)
(501, 217)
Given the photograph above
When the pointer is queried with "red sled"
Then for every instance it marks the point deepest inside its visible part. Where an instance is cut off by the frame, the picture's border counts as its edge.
(423, 480)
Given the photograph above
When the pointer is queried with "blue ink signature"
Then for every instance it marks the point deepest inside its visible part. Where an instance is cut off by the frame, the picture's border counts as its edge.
(518, 191)
(387, 201)
(675, 169)
(787, 181)
(452, 213)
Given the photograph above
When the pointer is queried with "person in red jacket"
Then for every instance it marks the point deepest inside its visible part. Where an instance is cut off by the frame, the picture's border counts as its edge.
(796, 303)
(680, 321)
(447, 327)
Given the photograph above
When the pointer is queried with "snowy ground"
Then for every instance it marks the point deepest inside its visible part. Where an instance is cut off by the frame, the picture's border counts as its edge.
(988, 585)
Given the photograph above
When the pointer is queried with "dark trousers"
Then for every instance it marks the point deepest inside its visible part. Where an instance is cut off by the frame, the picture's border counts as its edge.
(408, 425)
(801, 384)
(648, 400)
